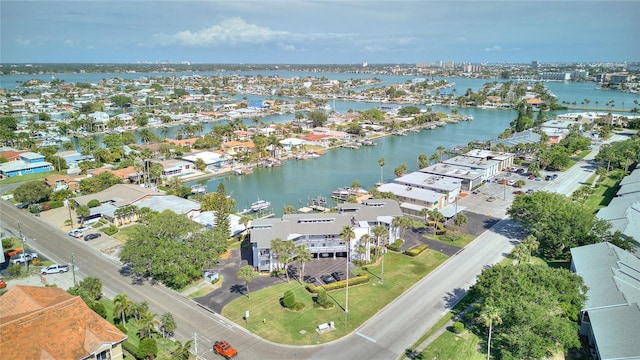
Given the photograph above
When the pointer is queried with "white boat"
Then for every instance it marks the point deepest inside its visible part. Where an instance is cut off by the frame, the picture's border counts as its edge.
(260, 205)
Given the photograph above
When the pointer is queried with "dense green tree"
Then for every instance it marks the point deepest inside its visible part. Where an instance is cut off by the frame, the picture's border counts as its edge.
(89, 289)
(532, 309)
(247, 273)
(32, 192)
(148, 349)
(318, 118)
(98, 183)
(559, 224)
(171, 248)
(121, 100)
(168, 324)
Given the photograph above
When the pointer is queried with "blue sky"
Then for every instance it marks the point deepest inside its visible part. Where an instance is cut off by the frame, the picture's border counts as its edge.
(318, 31)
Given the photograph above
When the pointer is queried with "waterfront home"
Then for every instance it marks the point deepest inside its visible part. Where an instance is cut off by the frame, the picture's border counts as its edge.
(557, 130)
(184, 143)
(413, 200)
(174, 167)
(38, 322)
(208, 219)
(467, 178)
(519, 138)
(610, 317)
(174, 203)
(212, 160)
(236, 147)
(320, 232)
(449, 187)
(29, 163)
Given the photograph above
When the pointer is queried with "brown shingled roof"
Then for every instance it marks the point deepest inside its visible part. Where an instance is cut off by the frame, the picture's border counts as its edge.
(49, 323)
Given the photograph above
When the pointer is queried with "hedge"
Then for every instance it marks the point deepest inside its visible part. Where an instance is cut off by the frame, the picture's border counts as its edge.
(112, 229)
(396, 245)
(360, 279)
(417, 250)
(130, 348)
(457, 327)
(55, 204)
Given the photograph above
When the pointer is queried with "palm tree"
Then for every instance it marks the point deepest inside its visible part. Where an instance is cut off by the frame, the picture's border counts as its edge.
(247, 273)
(146, 324)
(441, 151)
(379, 231)
(122, 307)
(168, 324)
(303, 255)
(490, 315)
(182, 351)
(346, 235)
(381, 163)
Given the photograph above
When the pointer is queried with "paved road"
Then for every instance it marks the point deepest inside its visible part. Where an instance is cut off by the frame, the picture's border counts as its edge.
(385, 336)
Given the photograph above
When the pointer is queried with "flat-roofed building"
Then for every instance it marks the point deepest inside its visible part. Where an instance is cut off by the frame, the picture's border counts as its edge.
(504, 159)
(469, 178)
(413, 200)
(447, 186)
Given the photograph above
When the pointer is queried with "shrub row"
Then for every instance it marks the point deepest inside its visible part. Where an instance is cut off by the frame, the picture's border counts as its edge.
(417, 250)
(396, 245)
(360, 279)
(112, 229)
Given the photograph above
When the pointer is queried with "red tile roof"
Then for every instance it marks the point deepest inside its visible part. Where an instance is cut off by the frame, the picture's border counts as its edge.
(49, 323)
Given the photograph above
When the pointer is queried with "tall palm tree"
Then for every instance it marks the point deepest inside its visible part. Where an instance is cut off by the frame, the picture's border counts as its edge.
(381, 163)
(147, 323)
(122, 307)
(346, 235)
(303, 255)
(441, 151)
(490, 315)
(182, 351)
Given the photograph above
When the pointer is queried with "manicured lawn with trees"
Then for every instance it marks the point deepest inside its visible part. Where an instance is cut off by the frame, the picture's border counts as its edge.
(282, 325)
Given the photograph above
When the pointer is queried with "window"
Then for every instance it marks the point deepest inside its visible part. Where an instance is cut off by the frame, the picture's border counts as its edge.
(105, 355)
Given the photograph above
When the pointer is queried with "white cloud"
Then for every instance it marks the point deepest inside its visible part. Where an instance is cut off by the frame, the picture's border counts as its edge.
(236, 31)
(493, 48)
(23, 42)
(72, 43)
(231, 32)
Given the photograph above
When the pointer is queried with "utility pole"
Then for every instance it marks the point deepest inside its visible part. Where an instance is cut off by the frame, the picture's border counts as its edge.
(195, 343)
(73, 270)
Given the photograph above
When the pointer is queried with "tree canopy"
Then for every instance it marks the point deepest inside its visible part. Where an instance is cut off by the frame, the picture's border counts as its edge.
(560, 224)
(171, 248)
(32, 192)
(537, 308)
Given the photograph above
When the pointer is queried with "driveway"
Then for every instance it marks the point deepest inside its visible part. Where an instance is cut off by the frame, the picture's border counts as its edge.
(232, 287)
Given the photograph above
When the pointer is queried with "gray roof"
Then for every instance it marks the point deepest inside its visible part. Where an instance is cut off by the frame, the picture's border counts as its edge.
(613, 278)
(293, 225)
(18, 165)
(616, 330)
(169, 202)
(120, 195)
(612, 274)
(409, 192)
(623, 212)
(424, 180)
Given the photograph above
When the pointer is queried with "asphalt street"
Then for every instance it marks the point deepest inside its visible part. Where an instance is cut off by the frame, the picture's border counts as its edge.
(385, 336)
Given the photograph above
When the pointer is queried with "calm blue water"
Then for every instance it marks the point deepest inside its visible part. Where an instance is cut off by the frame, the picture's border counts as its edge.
(297, 181)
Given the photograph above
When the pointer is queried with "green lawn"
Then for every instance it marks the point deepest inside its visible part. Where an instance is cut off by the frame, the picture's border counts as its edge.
(451, 346)
(604, 191)
(298, 328)
(124, 233)
(25, 178)
(463, 241)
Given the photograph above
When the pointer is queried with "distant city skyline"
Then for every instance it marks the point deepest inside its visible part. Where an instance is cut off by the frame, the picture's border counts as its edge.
(318, 31)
